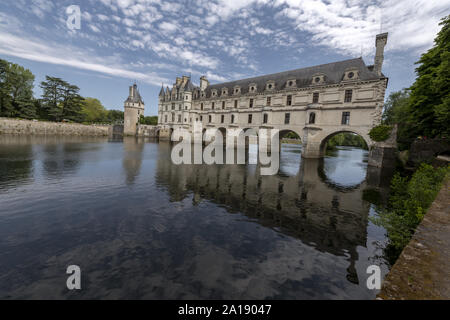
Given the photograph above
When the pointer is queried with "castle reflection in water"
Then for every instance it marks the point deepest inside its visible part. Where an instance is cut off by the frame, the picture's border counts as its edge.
(302, 202)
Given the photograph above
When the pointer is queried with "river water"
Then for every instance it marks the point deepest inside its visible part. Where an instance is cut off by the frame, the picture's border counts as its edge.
(140, 227)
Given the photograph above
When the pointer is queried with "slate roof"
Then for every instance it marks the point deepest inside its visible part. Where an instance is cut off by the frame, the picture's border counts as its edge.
(334, 73)
(136, 97)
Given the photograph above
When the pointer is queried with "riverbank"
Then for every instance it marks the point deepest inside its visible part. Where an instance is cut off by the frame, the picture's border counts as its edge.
(422, 270)
(29, 127)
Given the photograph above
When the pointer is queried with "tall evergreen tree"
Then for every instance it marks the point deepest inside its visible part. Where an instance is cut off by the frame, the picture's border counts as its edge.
(72, 104)
(52, 98)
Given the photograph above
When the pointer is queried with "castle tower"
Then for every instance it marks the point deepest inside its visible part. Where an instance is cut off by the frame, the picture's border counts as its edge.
(380, 43)
(134, 108)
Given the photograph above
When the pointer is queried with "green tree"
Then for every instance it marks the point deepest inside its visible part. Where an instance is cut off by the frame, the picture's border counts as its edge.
(149, 120)
(21, 83)
(115, 116)
(5, 99)
(396, 107)
(72, 104)
(52, 98)
(429, 106)
(16, 91)
(93, 111)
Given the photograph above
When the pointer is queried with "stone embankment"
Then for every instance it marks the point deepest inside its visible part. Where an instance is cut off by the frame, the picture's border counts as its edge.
(28, 127)
(423, 269)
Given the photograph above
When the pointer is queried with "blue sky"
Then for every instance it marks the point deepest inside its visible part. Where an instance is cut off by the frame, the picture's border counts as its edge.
(154, 41)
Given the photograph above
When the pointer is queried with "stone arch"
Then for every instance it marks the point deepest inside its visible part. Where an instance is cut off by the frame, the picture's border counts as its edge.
(285, 132)
(326, 138)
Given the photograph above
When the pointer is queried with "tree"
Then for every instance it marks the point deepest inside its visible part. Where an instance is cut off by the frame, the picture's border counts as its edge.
(429, 106)
(60, 100)
(21, 82)
(396, 107)
(52, 98)
(93, 110)
(115, 116)
(16, 91)
(149, 120)
(72, 104)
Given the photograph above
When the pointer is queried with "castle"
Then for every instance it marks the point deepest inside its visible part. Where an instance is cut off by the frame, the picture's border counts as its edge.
(314, 102)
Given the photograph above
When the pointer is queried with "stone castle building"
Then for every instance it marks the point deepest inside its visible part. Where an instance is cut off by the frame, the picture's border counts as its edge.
(315, 102)
(134, 108)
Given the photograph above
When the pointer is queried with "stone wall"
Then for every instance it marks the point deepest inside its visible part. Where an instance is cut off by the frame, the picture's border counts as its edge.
(427, 150)
(147, 131)
(28, 127)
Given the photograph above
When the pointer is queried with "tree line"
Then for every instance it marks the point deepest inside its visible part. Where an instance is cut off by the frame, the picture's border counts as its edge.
(60, 100)
(423, 110)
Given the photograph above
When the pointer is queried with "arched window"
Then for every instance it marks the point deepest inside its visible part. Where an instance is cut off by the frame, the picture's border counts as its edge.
(312, 118)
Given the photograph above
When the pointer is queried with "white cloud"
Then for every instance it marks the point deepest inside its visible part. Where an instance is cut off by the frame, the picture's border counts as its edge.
(72, 57)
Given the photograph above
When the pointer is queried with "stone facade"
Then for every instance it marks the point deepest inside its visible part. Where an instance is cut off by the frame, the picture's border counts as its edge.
(27, 127)
(315, 102)
(134, 109)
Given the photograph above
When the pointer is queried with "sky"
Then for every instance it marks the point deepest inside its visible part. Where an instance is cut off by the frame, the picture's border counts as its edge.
(154, 41)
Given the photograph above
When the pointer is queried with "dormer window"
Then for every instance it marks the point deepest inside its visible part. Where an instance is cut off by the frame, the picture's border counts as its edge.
(224, 91)
(351, 74)
(237, 90)
(270, 85)
(252, 88)
(290, 83)
(318, 78)
(214, 93)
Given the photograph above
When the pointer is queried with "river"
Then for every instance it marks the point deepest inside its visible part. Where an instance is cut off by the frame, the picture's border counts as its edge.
(140, 227)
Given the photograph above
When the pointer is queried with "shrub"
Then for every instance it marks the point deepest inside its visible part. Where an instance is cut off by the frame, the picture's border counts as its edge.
(380, 133)
(409, 200)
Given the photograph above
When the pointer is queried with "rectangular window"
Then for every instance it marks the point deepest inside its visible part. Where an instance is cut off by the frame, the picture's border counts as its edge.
(251, 103)
(210, 119)
(213, 105)
(173, 117)
(265, 118)
(250, 118)
(223, 105)
(232, 118)
(235, 103)
(173, 106)
(316, 97)
(348, 95)
(287, 118)
(201, 106)
(165, 118)
(201, 118)
(289, 100)
(222, 119)
(179, 118)
(269, 101)
(345, 118)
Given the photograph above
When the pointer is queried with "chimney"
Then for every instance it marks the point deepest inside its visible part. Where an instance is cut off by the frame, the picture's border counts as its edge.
(132, 91)
(185, 79)
(380, 43)
(204, 83)
(178, 82)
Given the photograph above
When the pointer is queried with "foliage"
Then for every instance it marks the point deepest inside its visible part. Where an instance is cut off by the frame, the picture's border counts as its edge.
(429, 106)
(346, 139)
(93, 110)
(149, 120)
(291, 135)
(60, 100)
(408, 202)
(380, 133)
(396, 107)
(16, 91)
